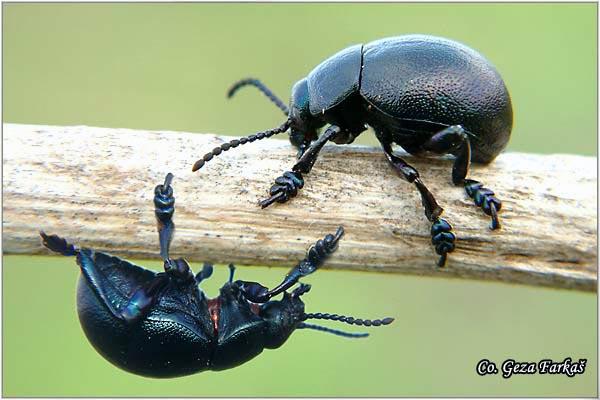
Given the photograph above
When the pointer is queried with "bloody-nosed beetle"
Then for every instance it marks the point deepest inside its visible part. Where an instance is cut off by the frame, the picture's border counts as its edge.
(423, 93)
(162, 325)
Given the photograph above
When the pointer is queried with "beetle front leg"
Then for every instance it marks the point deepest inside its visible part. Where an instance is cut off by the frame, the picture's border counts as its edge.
(164, 204)
(142, 300)
(144, 297)
(455, 139)
(287, 185)
(315, 258)
(442, 236)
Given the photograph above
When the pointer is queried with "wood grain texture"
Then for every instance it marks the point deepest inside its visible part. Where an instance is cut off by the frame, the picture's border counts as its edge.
(94, 186)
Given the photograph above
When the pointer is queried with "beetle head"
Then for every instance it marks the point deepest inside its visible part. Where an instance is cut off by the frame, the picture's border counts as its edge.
(283, 316)
(287, 315)
(303, 125)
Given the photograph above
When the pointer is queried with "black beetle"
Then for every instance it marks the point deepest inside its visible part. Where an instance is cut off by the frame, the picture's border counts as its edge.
(423, 93)
(161, 325)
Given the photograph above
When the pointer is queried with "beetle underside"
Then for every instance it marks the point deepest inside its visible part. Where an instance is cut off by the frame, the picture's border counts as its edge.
(162, 325)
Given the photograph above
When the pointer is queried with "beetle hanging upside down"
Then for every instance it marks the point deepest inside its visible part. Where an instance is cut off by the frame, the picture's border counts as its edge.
(423, 93)
(161, 324)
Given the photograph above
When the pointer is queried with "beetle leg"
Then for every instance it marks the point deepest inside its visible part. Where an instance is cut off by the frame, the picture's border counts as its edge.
(484, 198)
(287, 185)
(441, 236)
(206, 272)
(231, 272)
(411, 175)
(164, 203)
(306, 162)
(454, 139)
(142, 300)
(58, 244)
(315, 257)
(302, 149)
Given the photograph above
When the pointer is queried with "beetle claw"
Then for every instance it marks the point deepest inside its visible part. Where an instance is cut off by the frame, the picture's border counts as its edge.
(495, 222)
(267, 202)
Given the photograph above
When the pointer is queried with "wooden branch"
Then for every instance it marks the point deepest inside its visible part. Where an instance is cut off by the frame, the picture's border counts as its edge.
(95, 187)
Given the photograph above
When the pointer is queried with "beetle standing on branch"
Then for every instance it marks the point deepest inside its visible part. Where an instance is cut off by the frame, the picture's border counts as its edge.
(423, 93)
(161, 325)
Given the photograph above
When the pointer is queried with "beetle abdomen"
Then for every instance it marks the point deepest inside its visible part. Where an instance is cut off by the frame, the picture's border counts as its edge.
(430, 79)
(152, 347)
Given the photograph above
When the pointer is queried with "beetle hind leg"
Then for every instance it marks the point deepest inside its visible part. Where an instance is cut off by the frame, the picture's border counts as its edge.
(455, 139)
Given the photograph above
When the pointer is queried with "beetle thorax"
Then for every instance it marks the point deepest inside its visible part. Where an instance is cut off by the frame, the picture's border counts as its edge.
(304, 125)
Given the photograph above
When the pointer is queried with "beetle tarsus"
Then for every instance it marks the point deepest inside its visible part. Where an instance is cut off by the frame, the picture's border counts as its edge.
(58, 244)
(164, 207)
(286, 186)
(454, 139)
(318, 253)
(315, 257)
(484, 198)
(443, 239)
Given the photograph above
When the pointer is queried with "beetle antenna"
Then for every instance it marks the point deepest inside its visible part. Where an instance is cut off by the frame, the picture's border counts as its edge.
(260, 86)
(347, 320)
(304, 325)
(236, 142)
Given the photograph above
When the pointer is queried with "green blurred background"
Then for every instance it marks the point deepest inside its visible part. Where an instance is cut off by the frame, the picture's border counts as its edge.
(167, 66)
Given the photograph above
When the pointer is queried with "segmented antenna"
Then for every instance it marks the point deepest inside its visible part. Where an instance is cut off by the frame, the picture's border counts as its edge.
(347, 320)
(260, 86)
(236, 142)
(304, 325)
